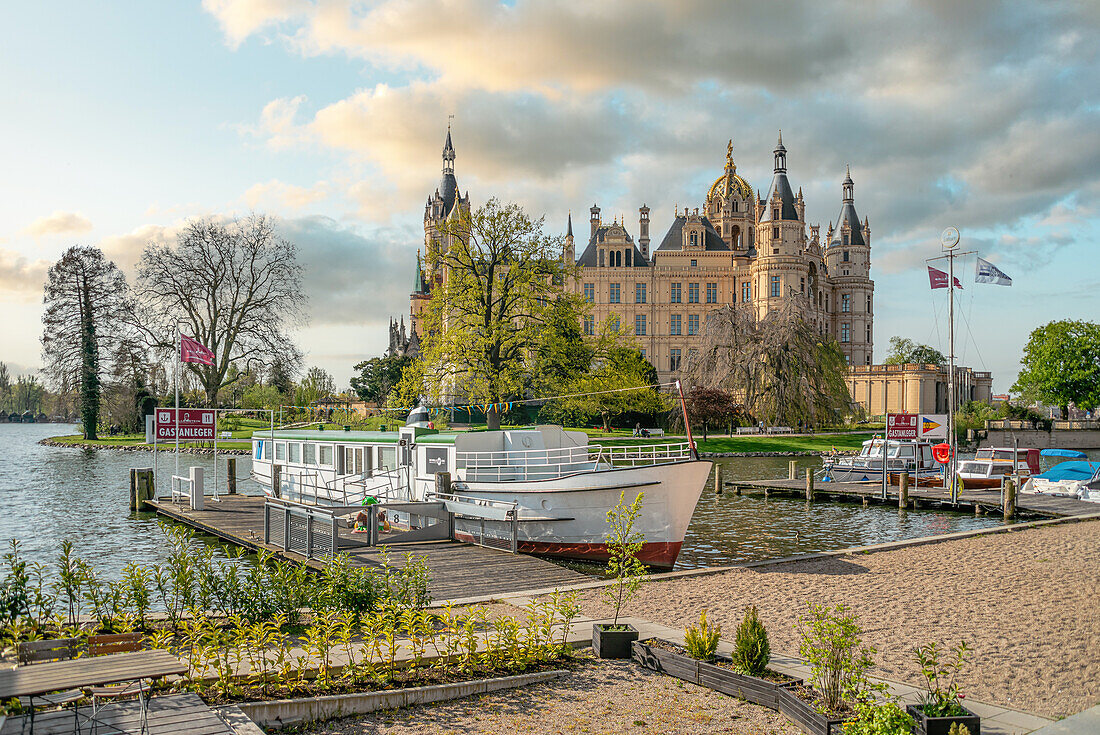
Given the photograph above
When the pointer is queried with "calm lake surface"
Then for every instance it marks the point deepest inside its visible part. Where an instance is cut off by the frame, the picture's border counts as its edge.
(51, 493)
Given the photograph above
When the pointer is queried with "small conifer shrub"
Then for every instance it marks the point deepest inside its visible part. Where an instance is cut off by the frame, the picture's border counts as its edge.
(701, 641)
(957, 728)
(751, 650)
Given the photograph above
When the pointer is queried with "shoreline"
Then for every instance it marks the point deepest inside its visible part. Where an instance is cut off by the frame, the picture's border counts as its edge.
(52, 442)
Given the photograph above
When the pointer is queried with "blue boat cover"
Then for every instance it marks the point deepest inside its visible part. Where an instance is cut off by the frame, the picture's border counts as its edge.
(1071, 453)
(1079, 471)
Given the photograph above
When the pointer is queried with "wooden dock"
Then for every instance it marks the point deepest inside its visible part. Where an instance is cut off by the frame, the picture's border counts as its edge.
(458, 570)
(976, 501)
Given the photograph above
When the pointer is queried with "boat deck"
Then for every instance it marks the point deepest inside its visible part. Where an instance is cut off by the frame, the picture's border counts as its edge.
(1047, 506)
(458, 570)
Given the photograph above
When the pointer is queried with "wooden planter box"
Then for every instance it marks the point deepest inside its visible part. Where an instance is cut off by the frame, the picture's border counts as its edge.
(941, 725)
(807, 719)
(612, 643)
(703, 673)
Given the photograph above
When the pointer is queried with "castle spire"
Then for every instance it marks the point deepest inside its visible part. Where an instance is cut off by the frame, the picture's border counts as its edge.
(448, 154)
(780, 155)
(569, 228)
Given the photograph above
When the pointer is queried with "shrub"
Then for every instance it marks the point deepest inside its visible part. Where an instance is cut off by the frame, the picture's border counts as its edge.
(885, 718)
(623, 545)
(751, 650)
(831, 645)
(941, 695)
(701, 641)
(957, 728)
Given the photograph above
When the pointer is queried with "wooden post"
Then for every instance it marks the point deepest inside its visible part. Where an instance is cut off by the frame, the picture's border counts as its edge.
(142, 488)
(717, 479)
(1010, 499)
(793, 470)
(133, 489)
(231, 473)
(903, 491)
(809, 484)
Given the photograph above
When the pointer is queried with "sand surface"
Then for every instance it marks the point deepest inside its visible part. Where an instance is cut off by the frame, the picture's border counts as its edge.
(1028, 604)
(598, 697)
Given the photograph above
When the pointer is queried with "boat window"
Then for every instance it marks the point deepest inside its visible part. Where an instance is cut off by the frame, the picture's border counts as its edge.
(1004, 454)
(280, 451)
(907, 451)
(295, 452)
(325, 455)
(984, 454)
(387, 458)
(267, 450)
(309, 453)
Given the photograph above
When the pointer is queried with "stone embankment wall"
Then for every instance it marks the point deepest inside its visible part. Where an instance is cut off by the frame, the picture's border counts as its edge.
(1032, 439)
(141, 448)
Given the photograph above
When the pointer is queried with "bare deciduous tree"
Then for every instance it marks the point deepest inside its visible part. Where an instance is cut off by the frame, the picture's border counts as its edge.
(779, 366)
(235, 287)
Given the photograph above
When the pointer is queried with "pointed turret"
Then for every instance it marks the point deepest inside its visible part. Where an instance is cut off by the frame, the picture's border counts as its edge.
(848, 231)
(780, 202)
(569, 226)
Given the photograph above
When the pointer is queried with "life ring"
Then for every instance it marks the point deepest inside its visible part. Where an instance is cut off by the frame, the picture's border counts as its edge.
(942, 453)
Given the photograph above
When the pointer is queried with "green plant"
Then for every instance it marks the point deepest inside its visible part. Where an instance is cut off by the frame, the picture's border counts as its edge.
(751, 649)
(879, 718)
(831, 645)
(941, 695)
(623, 545)
(701, 640)
(135, 580)
(957, 728)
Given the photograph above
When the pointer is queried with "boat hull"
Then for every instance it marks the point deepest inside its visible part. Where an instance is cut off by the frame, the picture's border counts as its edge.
(566, 517)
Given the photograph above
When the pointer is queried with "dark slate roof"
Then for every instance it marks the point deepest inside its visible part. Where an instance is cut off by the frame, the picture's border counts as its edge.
(848, 214)
(589, 259)
(674, 240)
(781, 185)
(448, 190)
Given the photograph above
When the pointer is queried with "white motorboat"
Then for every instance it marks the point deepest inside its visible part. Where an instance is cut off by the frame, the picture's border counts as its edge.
(558, 486)
(1074, 479)
(991, 465)
(914, 457)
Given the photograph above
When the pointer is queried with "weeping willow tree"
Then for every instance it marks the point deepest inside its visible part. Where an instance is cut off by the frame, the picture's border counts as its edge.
(783, 371)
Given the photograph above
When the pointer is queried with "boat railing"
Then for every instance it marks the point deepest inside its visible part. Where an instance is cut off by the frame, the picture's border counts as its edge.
(547, 464)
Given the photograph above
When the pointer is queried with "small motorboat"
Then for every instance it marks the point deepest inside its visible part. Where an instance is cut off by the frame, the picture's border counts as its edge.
(991, 465)
(914, 457)
(1072, 478)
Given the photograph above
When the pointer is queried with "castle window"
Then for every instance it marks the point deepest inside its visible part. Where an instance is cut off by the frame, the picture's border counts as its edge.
(846, 303)
(746, 291)
(845, 238)
(614, 325)
(775, 286)
(868, 303)
(868, 334)
(775, 213)
(589, 325)
(719, 228)
(639, 293)
(694, 239)
(674, 324)
(845, 332)
(693, 293)
(868, 359)
(847, 359)
(601, 258)
(618, 254)
(675, 296)
(712, 293)
(674, 359)
(844, 255)
(734, 205)
(590, 293)
(775, 233)
(802, 285)
(694, 263)
(642, 351)
(613, 297)
(639, 325)
(628, 252)
(693, 324)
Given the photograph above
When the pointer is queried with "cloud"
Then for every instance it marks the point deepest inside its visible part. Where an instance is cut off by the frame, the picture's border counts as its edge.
(241, 18)
(285, 196)
(278, 126)
(21, 277)
(125, 249)
(59, 223)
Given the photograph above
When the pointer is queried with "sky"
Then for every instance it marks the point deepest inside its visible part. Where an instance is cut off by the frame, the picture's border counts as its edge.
(122, 120)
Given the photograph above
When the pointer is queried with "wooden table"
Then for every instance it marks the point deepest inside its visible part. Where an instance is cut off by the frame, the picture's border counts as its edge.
(23, 681)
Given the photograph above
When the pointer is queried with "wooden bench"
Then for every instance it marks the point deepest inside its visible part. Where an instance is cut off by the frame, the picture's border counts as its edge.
(780, 430)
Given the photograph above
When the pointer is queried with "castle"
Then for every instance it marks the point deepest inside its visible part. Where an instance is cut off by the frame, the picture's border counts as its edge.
(739, 249)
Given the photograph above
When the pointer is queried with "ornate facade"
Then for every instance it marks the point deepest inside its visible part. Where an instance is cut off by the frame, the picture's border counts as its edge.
(739, 249)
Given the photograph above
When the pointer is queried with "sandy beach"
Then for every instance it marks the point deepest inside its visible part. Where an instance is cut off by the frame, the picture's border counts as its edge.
(1028, 604)
(598, 697)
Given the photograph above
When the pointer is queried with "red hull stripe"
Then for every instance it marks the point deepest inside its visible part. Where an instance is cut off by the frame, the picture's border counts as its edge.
(655, 554)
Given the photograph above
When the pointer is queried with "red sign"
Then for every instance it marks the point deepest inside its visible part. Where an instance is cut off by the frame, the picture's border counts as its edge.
(194, 423)
(902, 426)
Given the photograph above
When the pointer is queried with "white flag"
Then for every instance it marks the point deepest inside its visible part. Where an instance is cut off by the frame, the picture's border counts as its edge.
(986, 272)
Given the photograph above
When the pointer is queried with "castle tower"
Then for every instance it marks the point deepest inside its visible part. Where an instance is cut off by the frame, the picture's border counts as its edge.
(445, 205)
(731, 207)
(569, 252)
(643, 230)
(780, 269)
(848, 260)
(594, 219)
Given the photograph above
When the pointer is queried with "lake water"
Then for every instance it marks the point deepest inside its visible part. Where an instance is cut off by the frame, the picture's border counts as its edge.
(52, 493)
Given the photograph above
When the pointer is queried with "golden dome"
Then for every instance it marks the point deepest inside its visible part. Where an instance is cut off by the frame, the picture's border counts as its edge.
(729, 183)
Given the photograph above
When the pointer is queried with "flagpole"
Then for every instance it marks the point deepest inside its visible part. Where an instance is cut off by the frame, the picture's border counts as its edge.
(951, 438)
(177, 366)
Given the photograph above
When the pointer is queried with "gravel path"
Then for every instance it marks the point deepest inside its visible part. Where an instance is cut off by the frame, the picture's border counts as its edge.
(1028, 603)
(598, 697)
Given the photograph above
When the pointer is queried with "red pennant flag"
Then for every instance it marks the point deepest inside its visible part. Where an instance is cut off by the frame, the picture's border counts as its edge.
(938, 279)
(191, 350)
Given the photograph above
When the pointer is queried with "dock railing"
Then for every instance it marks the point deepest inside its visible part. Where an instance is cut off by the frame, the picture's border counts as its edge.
(310, 530)
(177, 487)
(548, 464)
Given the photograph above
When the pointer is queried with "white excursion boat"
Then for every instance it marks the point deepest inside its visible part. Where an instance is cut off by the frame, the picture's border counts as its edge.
(914, 457)
(558, 486)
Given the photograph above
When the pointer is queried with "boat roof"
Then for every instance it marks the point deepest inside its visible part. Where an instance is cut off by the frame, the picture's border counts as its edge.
(1080, 471)
(1072, 453)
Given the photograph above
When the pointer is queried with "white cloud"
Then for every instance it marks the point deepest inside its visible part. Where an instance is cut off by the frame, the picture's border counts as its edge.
(21, 278)
(241, 18)
(59, 223)
(285, 196)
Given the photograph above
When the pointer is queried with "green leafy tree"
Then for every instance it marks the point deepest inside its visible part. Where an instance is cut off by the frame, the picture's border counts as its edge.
(904, 351)
(377, 376)
(561, 352)
(410, 388)
(623, 546)
(500, 275)
(317, 385)
(261, 396)
(599, 392)
(88, 309)
(1061, 365)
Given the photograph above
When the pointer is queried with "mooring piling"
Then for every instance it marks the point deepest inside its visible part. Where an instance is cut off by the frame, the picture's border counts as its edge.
(142, 487)
(231, 473)
(903, 491)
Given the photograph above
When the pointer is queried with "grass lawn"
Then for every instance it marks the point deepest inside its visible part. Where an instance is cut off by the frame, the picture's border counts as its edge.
(138, 440)
(759, 443)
